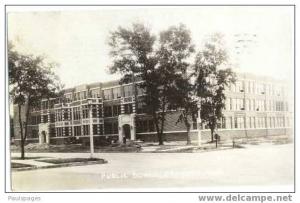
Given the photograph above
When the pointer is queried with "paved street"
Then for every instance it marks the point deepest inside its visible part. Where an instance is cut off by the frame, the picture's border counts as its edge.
(262, 165)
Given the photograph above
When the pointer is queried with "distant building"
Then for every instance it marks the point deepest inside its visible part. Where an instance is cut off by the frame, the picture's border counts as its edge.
(255, 106)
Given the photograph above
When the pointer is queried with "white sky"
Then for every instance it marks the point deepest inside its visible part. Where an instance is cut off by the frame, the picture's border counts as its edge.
(77, 38)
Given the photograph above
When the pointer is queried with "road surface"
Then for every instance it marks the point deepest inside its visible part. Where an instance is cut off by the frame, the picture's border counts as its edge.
(263, 165)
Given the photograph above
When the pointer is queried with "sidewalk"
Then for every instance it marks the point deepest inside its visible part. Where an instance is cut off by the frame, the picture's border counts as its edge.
(34, 163)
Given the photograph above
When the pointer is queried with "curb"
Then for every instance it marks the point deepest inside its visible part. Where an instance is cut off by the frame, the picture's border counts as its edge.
(103, 161)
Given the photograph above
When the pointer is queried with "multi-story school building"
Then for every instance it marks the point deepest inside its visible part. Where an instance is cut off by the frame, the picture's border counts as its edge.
(255, 106)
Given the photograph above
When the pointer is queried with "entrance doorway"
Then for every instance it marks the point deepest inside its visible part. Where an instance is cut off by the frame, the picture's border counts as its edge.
(44, 139)
(126, 131)
(126, 127)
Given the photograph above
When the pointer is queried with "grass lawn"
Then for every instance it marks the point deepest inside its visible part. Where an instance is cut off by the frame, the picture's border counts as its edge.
(71, 148)
(28, 158)
(70, 160)
(19, 165)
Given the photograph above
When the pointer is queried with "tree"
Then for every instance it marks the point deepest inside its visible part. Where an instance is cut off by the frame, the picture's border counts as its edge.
(132, 50)
(175, 50)
(212, 79)
(134, 55)
(183, 100)
(31, 80)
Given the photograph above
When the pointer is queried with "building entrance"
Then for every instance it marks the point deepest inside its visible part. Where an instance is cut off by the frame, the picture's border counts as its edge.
(126, 127)
(126, 133)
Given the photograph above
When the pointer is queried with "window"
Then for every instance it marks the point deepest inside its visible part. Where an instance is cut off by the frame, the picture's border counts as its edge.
(95, 131)
(223, 121)
(95, 93)
(52, 118)
(108, 111)
(116, 110)
(115, 129)
(145, 126)
(107, 94)
(116, 92)
(235, 122)
(128, 108)
(76, 113)
(140, 91)
(68, 97)
(108, 128)
(44, 105)
(111, 128)
(141, 107)
(127, 91)
(59, 132)
(58, 115)
(250, 105)
(151, 126)
(34, 133)
(85, 111)
(95, 111)
(77, 130)
(66, 114)
(229, 122)
(45, 118)
(86, 130)
(227, 107)
(100, 129)
(80, 95)
(249, 86)
(233, 104)
(67, 133)
(240, 122)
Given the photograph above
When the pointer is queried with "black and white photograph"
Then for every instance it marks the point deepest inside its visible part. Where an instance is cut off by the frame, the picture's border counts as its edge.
(150, 98)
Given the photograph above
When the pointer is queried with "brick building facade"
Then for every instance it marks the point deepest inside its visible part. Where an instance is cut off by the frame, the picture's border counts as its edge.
(255, 106)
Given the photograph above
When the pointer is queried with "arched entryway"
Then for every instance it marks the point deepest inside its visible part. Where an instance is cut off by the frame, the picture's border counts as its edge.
(44, 133)
(43, 138)
(126, 133)
(126, 127)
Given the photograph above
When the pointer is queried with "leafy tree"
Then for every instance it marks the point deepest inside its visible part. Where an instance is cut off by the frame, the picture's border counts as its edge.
(134, 55)
(132, 50)
(212, 79)
(175, 50)
(183, 99)
(31, 80)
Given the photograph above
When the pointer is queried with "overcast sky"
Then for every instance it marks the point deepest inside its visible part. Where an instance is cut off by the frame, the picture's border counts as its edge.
(77, 38)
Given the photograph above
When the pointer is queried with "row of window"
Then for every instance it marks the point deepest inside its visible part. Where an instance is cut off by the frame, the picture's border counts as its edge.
(240, 122)
(79, 130)
(254, 87)
(255, 105)
(147, 125)
(107, 94)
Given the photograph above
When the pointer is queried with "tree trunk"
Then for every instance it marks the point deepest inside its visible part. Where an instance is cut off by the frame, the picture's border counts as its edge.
(21, 131)
(23, 139)
(159, 136)
(188, 139)
(22, 148)
(26, 121)
(212, 134)
(188, 127)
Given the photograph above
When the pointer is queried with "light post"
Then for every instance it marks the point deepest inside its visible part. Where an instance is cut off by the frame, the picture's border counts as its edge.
(91, 129)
